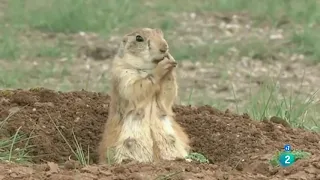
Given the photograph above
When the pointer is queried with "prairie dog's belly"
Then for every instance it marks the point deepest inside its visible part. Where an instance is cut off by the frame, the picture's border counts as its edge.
(137, 123)
(135, 140)
(167, 125)
(134, 126)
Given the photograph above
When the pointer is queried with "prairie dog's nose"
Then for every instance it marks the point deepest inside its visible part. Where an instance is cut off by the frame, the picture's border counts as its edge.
(164, 49)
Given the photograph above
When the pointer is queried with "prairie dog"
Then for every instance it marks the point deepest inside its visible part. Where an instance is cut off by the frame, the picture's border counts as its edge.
(141, 123)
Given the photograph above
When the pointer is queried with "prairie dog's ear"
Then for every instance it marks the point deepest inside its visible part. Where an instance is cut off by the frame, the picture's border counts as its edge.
(121, 49)
(125, 39)
(159, 31)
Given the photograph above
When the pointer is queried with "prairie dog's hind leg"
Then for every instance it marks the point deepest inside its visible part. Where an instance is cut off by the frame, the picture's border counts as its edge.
(181, 138)
(171, 140)
(135, 142)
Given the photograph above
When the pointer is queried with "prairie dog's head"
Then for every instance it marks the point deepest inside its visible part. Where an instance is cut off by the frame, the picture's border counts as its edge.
(147, 44)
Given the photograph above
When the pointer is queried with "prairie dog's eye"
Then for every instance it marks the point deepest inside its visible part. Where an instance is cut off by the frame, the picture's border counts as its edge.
(139, 38)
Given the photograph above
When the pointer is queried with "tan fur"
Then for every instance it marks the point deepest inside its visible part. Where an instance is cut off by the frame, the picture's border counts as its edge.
(141, 123)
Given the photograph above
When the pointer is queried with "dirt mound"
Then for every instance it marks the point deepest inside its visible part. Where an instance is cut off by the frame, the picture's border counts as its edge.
(236, 145)
(42, 112)
(231, 138)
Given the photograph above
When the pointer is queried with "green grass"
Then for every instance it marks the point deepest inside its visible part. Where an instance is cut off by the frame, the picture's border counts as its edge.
(203, 53)
(269, 100)
(307, 42)
(9, 45)
(197, 157)
(298, 111)
(83, 158)
(8, 151)
(28, 75)
(71, 16)
(106, 17)
(98, 16)
(273, 11)
(54, 50)
(77, 150)
(110, 156)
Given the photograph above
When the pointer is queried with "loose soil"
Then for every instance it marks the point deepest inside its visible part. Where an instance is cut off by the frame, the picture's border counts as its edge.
(236, 146)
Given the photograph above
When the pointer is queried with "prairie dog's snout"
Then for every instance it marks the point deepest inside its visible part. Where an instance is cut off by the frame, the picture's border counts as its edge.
(159, 47)
(163, 48)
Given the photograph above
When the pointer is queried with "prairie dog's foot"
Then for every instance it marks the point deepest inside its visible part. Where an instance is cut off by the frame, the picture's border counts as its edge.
(133, 149)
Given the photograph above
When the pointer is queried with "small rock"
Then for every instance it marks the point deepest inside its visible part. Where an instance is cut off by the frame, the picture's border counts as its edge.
(86, 176)
(4, 101)
(21, 172)
(71, 164)
(14, 110)
(90, 169)
(276, 36)
(279, 120)
(193, 15)
(119, 170)
(199, 175)
(61, 176)
(316, 165)
(214, 166)
(44, 104)
(106, 173)
(239, 167)
(53, 168)
(298, 176)
(136, 176)
(310, 170)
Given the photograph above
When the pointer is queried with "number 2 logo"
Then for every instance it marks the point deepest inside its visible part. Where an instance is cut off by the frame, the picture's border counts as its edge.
(287, 161)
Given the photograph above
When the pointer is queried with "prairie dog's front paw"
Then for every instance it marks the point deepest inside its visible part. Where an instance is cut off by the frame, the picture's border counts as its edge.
(164, 67)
